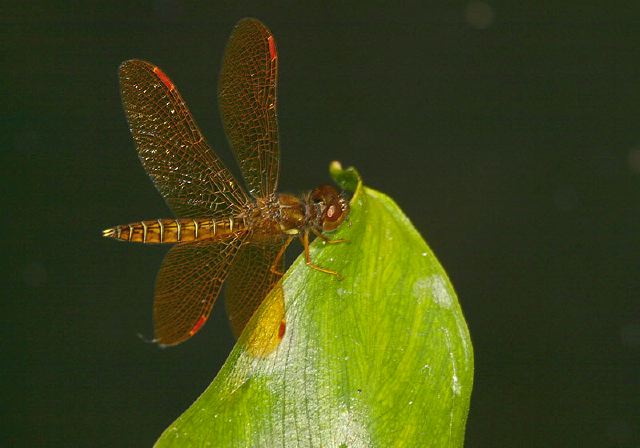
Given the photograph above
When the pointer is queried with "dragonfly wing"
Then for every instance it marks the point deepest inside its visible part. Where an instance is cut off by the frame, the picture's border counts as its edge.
(185, 170)
(250, 280)
(187, 286)
(247, 100)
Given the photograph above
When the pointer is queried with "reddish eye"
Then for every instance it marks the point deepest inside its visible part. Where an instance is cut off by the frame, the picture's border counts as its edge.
(333, 213)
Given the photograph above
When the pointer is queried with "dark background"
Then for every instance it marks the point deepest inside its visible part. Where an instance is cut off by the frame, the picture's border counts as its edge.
(508, 132)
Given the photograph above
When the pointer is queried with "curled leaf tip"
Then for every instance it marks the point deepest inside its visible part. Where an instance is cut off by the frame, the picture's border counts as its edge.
(348, 179)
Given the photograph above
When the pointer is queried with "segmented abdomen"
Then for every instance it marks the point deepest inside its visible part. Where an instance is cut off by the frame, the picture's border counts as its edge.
(175, 230)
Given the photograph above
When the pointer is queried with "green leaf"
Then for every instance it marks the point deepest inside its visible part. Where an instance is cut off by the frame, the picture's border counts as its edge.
(380, 358)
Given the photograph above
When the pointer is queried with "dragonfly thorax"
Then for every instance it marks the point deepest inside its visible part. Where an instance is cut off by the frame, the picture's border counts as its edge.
(322, 209)
(293, 216)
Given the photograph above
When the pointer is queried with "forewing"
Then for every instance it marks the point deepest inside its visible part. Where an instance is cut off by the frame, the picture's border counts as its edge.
(184, 169)
(247, 100)
(187, 286)
(249, 282)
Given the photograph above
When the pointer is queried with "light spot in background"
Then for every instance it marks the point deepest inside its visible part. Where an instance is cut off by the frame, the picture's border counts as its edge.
(620, 431)
(479, 15)
(565, 198)
(630, 335)
(633, 159)
(34, 274)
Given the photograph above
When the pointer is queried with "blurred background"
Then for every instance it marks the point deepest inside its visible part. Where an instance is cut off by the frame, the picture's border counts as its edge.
(508, 132)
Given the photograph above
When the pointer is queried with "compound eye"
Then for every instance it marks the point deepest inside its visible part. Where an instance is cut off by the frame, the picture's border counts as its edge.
(333, 216)
(333, 213)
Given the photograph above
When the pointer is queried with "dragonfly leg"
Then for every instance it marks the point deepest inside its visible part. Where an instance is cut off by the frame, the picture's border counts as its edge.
(307, 256)
(327, 239)
(276, 262)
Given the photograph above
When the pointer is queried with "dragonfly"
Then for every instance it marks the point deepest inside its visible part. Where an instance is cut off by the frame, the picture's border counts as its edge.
(221, 233)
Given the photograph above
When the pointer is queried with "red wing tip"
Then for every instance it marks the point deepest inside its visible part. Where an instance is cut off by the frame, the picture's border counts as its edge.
(163, 77)
(198, 325)
(282, 329)
(272, 48)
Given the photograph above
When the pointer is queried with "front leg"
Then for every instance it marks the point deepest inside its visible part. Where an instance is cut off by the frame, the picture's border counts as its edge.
(327, 239)
(307, 256)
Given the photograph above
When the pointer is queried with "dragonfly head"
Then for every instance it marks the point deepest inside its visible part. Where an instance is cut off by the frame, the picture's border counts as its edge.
(329, 207)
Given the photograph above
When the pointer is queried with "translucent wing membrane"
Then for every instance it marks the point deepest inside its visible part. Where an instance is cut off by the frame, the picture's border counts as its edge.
(197, 186)
(184, 169)
(249, 282)
(247, 100)
(188, 284)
